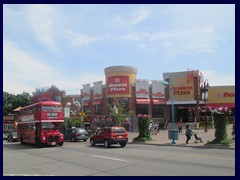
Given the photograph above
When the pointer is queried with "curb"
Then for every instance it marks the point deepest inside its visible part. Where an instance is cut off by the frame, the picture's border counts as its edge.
(214, 146)
(220, 146)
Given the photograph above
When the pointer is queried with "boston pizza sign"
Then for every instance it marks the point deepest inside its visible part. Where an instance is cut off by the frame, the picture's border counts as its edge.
(117, 85)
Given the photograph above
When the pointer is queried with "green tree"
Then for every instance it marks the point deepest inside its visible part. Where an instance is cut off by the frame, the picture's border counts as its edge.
(118, 113)
(220, 123)
(11, 101)
(74, 122)
(143, 128)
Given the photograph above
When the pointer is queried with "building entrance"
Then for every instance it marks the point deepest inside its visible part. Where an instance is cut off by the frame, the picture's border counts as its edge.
(182, 113)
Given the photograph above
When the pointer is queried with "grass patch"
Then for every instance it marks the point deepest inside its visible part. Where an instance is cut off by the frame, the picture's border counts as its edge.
(142, 139)
(223, 142)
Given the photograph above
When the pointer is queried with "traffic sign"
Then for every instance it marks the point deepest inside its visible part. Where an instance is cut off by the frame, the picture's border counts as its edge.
(82, 113)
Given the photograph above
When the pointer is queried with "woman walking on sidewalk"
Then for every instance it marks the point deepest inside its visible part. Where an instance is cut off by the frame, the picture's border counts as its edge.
(180, 126)
(188, 133)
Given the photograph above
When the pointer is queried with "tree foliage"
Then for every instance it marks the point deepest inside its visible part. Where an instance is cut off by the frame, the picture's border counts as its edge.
(119, 113)
(11, 101)
(143, 128)
(220, 123)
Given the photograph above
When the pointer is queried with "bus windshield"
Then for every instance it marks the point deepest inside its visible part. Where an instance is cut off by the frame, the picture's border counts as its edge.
(50, 126)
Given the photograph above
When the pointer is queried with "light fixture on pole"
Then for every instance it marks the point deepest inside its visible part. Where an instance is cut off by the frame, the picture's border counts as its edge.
(205, 98)
(172, 97)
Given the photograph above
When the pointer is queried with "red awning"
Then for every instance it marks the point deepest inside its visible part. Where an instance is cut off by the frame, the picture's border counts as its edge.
(143, 101)
(86, 103)
(97, 102)
(159, 101)
(230, 105)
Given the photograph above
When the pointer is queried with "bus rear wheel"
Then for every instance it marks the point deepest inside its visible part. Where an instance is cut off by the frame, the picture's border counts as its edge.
(38, 143)
(21, 140)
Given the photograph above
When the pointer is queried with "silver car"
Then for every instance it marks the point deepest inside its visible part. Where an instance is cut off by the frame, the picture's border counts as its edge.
(76, 134)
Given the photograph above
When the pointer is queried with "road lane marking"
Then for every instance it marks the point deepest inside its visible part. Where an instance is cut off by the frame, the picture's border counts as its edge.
(51, 149)
(26, 175)
(116, 159)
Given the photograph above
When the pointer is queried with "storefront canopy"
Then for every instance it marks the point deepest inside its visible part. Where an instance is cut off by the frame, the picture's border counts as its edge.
(158, 101)
(97, 102)
(230, 105)
(143, 101)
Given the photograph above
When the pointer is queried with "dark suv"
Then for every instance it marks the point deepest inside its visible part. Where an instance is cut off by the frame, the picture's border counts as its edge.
(75, 134)
(110, 135)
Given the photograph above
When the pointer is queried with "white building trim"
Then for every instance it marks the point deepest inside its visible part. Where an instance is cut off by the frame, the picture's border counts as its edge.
(182, 102)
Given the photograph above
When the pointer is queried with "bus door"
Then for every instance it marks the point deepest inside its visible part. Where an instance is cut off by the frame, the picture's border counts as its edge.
(27, 133)
(32, 133)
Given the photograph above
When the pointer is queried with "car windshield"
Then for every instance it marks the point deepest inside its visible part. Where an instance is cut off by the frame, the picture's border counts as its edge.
(14, 133)
(80, 130)
(119, 130)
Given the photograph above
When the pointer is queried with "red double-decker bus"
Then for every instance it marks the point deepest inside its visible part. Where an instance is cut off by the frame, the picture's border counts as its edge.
(39, 124)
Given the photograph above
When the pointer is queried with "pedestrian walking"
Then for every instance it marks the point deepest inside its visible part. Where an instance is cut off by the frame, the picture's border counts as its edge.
(155, 128)
(180, 126)
(188, 133)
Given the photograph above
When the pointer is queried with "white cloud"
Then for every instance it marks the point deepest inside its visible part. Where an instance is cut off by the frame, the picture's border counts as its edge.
(133, 36)
(140, 15)
(201, 39)
(24, 67)
(117, 21)
(41, 20)
(23, 71)
(218, 79)
(77, 39)
(74, 84)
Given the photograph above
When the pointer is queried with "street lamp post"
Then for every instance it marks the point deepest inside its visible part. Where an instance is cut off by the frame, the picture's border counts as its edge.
(205, 98)
(172, 96)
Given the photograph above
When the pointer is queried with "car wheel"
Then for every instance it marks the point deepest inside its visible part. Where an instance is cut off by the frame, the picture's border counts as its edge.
(106, 143)
(123, 144)
(92, 142)
(60, 144)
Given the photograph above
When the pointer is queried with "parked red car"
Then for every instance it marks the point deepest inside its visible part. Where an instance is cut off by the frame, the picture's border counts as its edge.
(110, 135)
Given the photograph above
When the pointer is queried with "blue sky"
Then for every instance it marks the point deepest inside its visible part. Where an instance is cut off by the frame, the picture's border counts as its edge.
(70, 45)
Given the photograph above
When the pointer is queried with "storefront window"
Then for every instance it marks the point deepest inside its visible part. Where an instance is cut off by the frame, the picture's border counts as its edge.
(86, 109)
(141, 109)
(191, 115)
(98, 110)
(157, 111)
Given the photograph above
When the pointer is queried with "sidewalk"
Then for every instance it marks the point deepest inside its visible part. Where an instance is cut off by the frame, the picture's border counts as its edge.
(162, 139)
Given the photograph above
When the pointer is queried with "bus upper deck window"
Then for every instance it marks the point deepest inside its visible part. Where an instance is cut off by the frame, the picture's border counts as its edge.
(57, 108)
(47, 108)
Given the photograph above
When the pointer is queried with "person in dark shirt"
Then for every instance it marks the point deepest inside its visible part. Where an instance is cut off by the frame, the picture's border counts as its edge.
(188, 133)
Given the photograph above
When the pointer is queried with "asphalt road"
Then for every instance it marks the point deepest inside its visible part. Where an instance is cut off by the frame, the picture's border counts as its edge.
(80, 159)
